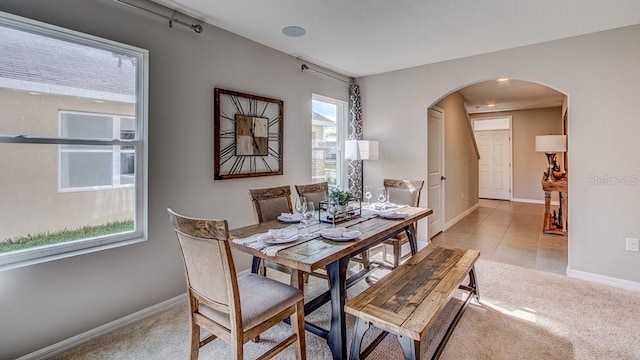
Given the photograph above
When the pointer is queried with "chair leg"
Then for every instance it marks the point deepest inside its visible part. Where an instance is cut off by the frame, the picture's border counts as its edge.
(397, 253)
(237, 348)
(297, 326)
(195, 341)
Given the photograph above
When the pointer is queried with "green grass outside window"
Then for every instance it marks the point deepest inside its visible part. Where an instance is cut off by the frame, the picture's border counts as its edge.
(85, 232)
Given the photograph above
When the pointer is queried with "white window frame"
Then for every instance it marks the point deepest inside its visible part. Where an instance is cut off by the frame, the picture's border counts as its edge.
(116, 151)
(26, 257)
(341, 136)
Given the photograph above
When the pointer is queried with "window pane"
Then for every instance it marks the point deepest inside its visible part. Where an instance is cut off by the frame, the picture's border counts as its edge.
(127, 167)
(87, 168)
(31, 206)
(127, 129)
(325, 143)
(86, 126)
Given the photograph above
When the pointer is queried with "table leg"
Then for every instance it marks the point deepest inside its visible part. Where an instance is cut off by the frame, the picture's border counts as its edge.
(547, 210)
(337, 337)
(410, 230)
(255, 265)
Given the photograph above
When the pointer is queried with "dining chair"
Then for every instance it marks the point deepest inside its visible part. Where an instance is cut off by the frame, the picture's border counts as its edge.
(269, 203)
(234, 308)
(401, 192)
(314, 192)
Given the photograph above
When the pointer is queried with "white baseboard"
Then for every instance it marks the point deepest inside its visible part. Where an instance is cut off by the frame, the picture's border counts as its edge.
(533, 201)
(68, 344)
(603, 279)
(460, 217)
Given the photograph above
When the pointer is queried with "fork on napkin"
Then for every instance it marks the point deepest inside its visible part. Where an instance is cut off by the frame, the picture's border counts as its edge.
(391, 214)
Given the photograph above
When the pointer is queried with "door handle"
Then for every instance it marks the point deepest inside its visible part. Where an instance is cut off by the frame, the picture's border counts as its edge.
(443, 178)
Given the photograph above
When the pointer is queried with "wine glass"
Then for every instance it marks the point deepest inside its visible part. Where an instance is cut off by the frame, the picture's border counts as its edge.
(332, 209)
(308, 216)
(300, 205)
(382, 195)
(367, 194)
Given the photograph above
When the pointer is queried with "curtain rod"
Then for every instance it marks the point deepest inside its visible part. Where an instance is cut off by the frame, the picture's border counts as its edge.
(305, 67)
(196, 27)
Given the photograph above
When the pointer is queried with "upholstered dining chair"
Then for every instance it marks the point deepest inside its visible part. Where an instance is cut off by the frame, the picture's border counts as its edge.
(233, 308)
(401, 192)
(314, 192)
(269, 203)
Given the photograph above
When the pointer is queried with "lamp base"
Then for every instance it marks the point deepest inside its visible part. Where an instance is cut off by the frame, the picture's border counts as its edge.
(551, 158)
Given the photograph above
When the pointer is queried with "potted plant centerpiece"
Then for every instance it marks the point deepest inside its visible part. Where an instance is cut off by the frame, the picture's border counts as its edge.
(341, 205)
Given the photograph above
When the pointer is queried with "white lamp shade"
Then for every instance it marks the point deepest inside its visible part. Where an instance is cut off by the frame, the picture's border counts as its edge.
(361, 150)
(551, 143)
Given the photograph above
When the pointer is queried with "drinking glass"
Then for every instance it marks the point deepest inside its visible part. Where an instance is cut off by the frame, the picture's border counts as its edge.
(332, 209)
(308, 216)
(367, 194)
(382, 195)
(299, 206)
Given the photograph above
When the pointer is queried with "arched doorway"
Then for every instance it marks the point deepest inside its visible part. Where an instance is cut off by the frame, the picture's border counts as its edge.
(532, 109)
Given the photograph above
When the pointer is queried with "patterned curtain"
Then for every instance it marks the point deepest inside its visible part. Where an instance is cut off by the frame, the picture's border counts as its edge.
(355, 133)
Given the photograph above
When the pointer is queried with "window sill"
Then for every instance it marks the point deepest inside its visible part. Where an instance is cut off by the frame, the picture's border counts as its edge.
(24, 258)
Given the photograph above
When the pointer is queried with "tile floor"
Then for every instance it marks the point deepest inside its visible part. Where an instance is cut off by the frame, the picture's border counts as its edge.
(511, 233)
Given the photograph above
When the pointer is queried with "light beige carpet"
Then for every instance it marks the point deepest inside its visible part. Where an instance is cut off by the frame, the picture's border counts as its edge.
(523, 314)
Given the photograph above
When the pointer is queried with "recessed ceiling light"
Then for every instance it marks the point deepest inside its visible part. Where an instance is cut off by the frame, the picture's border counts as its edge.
(33, 93)
(293, 31)
(491, 105)
(99, 101)
(503, 79)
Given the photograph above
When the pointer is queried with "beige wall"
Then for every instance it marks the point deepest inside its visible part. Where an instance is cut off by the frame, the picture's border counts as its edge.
(32, 203)
(461, 161)
(528, 165)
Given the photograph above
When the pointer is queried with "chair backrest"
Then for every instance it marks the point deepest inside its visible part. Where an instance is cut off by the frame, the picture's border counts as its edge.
(208, 264)
(314, 192)
(404, 192)
(269, 203)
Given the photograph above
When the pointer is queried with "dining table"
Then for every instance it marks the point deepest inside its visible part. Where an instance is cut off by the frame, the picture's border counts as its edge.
(313, 252)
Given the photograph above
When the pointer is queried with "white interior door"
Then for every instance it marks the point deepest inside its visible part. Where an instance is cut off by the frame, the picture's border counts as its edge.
(495, 164)
(436, 176)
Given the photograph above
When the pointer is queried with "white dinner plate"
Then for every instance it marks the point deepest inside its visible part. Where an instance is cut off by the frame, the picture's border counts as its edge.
(345, 236)
(276, 241)
(288, 219)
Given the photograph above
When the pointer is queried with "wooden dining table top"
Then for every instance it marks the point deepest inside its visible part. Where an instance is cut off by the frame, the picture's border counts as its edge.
(317, 252)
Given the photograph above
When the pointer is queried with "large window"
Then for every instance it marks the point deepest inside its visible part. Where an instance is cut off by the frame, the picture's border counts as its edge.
(72, 142)
(329, 127)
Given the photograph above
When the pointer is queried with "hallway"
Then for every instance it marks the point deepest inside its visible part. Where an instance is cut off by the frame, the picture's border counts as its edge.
(509, 232)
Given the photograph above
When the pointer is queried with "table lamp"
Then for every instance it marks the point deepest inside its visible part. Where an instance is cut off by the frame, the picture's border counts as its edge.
(551, 145)
(361, 150)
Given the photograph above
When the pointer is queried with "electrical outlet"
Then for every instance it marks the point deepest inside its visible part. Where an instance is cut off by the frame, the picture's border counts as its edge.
(632, 245)
(462, 196)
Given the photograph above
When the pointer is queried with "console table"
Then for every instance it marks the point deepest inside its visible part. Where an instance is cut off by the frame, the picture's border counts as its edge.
(559, 227)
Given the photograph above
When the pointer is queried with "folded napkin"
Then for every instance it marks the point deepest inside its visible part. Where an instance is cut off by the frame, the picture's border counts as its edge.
(256, 241)
(390, 214)
(340, 232)
(290, 217)
(278, 234)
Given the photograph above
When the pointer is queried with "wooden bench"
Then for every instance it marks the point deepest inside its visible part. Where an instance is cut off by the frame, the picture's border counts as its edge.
(407, 301)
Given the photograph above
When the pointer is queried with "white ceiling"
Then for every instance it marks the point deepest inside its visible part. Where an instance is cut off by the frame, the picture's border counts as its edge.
(359, 38)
